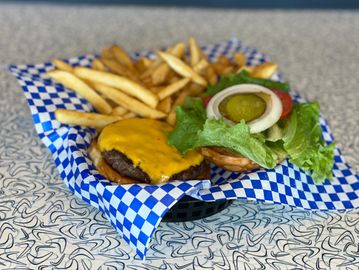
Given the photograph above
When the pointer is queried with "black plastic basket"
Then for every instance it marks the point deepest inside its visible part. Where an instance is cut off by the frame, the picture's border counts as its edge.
(188, 209)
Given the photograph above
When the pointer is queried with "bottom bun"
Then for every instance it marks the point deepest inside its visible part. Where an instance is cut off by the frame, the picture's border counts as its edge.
(228, 160)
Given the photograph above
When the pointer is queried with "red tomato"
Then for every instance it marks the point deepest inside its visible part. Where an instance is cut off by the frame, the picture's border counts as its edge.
(205, 100)
(286, 102)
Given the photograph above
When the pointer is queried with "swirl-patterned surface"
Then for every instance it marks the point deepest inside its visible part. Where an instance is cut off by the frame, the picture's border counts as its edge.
(43, 226)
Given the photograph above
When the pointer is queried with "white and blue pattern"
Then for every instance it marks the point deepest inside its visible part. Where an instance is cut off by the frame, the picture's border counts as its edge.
(136, 210)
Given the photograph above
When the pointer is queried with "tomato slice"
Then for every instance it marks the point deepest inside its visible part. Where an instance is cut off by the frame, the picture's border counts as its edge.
(286, 102)
(205, 100)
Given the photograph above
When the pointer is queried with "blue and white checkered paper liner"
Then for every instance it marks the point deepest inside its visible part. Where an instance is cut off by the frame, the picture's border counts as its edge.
(136, 210)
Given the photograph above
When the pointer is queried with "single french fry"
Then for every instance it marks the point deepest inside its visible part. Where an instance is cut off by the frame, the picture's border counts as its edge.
(171, 118)
(107, 53)
(98, 65)
(200, 65)
(239, 59)
(121, 56)
(79, 86)
(165, 105)
(177, 50)
(94, 120)
(59, 64)
(159, 74)
(172, 88)
(223, 60)
(195, 54)
(118, 110)
(211, 75)
(128, 102)
(141, 64)
(127, 86)
(247, 68)
(117, 68)
(129, 115)
(264, 71)
(182, 68)
(195, 89)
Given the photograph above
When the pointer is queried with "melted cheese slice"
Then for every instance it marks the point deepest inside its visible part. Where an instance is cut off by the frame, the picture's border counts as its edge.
(144, 141)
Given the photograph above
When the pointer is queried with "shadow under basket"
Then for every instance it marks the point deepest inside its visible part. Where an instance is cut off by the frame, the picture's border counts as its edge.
(188, 209)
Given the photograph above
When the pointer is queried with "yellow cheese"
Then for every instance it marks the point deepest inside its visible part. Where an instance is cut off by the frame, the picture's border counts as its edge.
(144, 142)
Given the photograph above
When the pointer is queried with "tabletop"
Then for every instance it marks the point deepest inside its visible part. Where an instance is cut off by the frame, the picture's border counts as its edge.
(43, 226)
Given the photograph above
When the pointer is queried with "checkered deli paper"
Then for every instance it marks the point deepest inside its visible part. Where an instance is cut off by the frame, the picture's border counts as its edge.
(136, 210)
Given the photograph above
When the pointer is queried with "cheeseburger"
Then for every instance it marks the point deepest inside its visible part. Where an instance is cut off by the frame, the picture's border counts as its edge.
(136, 150)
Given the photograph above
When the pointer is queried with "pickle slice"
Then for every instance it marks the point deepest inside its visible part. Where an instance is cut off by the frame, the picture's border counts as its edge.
(247, 107)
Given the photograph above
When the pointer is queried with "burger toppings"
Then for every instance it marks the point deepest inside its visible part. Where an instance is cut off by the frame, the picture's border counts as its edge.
(258, 106)
(256, 123)
(144, 143)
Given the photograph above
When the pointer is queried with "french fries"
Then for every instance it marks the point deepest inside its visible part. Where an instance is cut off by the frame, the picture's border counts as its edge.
(195, 54)
(121, 56)
(119, 87)
(93, 120)
(165, 105)
(118, 110)
(128, 102)
(182, 68)
(264, 71)
(74, 83)
(98, 65)
(59, 64)
(172, 88)
(240, 59)
(129, 87)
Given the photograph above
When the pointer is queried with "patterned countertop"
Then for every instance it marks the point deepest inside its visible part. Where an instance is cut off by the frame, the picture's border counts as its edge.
(43, 226)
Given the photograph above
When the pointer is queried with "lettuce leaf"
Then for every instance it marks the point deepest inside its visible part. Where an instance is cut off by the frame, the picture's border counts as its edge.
(193, 130)
(303, 142)
(190, 120)
(242, 77)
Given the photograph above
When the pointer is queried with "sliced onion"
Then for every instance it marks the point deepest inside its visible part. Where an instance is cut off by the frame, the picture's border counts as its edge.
(270, 116)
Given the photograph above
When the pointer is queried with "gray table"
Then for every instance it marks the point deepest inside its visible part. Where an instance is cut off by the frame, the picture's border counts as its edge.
(42, 223)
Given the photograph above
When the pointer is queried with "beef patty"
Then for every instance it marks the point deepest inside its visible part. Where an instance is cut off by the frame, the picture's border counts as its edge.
(124, 166)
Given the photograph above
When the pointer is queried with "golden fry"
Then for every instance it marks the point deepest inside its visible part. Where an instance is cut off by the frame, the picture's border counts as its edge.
(94, 120)
(117, 68)
(239, 59)
(178, 50)
(171, 118)
(121, 56)
(172, 88)
(128, 102)
(264, 71)
(98, 65)
(211, 75)
(195, 54)
(142, 64)
(62, 65)
(107, 53)
(159, 75)
(224, 60)
(122, 83)
(129, 115)
(201, 65)
(165, 105)
(247, 68)
(182, 68)
(118, 110)
(71, 81)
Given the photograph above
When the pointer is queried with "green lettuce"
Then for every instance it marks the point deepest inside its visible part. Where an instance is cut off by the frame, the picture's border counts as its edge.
(242, 77)
(301, 138)
(303, 143)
